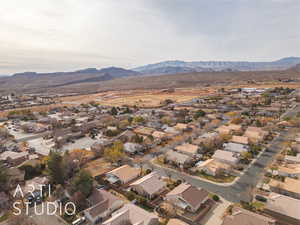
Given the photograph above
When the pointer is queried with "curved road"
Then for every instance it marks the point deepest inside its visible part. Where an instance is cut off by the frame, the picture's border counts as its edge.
(241, 189)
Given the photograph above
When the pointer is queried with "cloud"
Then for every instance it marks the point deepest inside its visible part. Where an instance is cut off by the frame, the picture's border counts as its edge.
(53, 35)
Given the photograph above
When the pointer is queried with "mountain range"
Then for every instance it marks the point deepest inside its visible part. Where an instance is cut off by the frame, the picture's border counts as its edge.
(169, 67)
(33, 81)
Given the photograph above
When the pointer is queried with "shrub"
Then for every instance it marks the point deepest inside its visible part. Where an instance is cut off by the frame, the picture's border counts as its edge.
(216, 198)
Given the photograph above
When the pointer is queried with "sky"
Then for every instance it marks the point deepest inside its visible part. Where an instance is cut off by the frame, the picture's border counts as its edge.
(65, 35)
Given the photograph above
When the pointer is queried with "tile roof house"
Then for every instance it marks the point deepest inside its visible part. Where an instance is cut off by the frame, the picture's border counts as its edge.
(187, 149)
(290, 187)
(123, 174)
(179, 159)
(213, 167)
(234, 147)
(149, 186)
(132, 214)
(240, 140)
(289, 170)
(255, 134)
(240, 216)
(226, 157)
(102, 205)
(144, 131)
(160, 135)
(182, 126)
(284, 209)
(292, 159)
(187, 197)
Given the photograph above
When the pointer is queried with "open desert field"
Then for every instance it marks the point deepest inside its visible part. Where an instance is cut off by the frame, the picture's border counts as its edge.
(140, 98)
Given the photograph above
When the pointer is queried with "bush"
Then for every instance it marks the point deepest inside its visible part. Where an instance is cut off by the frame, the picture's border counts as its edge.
(216, 198)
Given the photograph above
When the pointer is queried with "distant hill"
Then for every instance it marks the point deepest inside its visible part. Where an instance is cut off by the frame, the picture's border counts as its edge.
(168, 67)
(32, 80)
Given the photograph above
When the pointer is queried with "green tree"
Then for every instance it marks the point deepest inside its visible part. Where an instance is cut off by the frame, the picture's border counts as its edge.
(55, 167)
(82, 182)
(114, 153)
(114, 111)
(199, 113)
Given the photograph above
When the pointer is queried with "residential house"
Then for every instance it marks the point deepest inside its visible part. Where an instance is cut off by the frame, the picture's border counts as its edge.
(187, 197)
(240, 216)
(123, 174)
(101, 205)
(284, 209)
(234, 147)
(290, 187)
(14, 158)
(289, 170)
(132, 148)
(181, 160)
(182, 127)
(292, 159)
(187, 149)
(226, 157)
(159, 135)
(255, 134)
(206, 138)
(146, 131)
(132, 214)
(213, 167)
(240, 139)
(149, 186)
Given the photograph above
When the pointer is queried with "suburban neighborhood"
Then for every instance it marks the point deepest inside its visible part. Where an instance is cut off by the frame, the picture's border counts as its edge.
(232, 157)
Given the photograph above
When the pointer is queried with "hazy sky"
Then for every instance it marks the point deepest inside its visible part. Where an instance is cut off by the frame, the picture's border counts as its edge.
(64, 35)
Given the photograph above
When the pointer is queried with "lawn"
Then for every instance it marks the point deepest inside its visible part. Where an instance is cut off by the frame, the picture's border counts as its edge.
(219, 179)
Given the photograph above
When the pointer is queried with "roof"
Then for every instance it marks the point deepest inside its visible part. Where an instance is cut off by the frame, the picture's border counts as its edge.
(177, 157)
(290, 169)
(225, 155)
(181, 126)
(136, 215)
(144, 130)
(235, 147)
(12, 155)
(292, 158)
(191, 195)
(98, 167)
(234, 127)
(240, 139)
(241, 216)
(150, 183)
(289, 184)
(176, 222)
(187, 148)
(125, 172)
(159, 134)
(101, 201)
(284, 205)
